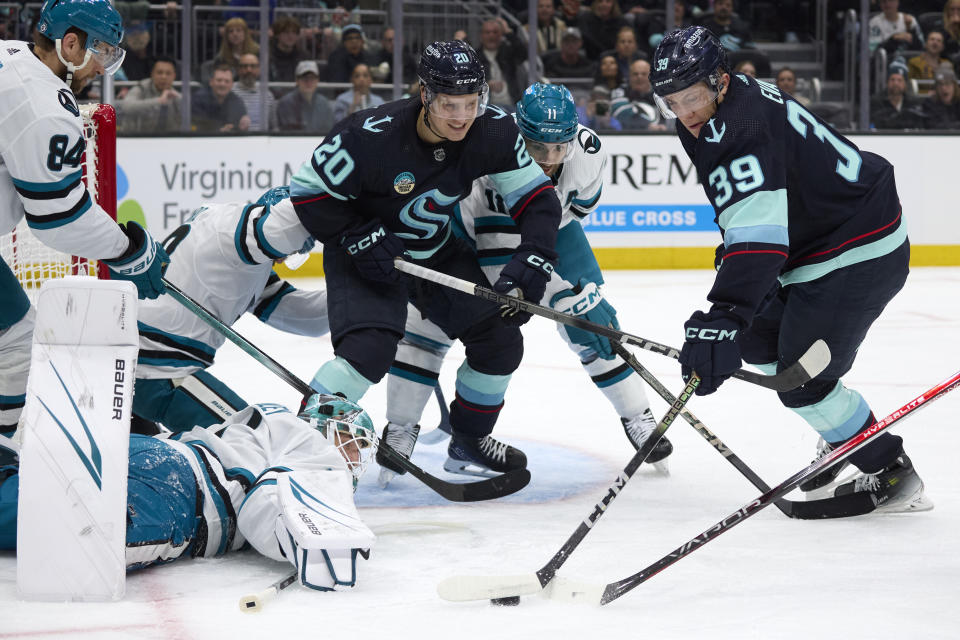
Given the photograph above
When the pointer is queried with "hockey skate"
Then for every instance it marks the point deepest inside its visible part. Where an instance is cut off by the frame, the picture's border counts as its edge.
(823, 478)
(484, 457)
(638, 429)
(401, 438)
(896, 489)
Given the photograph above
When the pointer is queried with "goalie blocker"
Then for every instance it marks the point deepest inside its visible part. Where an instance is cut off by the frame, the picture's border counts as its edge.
(71, 518)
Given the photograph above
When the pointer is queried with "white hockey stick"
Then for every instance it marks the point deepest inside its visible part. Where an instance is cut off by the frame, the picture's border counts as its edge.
(255, 602)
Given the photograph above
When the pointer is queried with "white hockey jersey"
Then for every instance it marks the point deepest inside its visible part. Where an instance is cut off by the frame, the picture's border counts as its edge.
(236, 465)
(223, 258)
(484, 219)
(41, 146)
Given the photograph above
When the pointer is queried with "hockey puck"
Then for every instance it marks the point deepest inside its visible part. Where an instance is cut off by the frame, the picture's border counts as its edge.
(510, 601)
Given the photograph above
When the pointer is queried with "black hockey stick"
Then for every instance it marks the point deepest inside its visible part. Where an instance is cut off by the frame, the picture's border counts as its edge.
(488, 489)
(853, 504)
(614, 590)
(462, 588)
(790, 378)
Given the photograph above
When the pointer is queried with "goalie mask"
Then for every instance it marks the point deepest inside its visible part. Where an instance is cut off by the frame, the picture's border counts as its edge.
(346, 426)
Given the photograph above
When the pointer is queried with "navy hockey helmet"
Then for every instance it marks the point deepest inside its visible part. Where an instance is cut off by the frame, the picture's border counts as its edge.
(547, 118)
(97, 18)
(684, 59)
(452, 68)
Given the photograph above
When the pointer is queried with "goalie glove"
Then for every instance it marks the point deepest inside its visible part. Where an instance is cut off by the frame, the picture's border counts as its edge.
(319, 530)
(586, 301)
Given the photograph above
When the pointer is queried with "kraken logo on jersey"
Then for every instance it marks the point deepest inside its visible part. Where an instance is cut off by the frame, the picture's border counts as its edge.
(717, 135)
(425, 215)
(404, 183)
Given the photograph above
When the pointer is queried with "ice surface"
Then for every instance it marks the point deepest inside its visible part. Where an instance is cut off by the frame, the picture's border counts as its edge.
(894, 576)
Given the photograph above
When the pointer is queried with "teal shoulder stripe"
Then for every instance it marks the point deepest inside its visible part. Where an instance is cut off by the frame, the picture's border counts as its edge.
(48, 186)
(306, 181)
(515, 184)
(757, 209)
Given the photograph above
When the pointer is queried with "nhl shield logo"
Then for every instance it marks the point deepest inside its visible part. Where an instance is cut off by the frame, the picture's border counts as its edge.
(439, 155)
(404, 183)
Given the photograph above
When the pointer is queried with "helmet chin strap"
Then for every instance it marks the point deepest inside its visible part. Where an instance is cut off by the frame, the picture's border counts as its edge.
(71, 68)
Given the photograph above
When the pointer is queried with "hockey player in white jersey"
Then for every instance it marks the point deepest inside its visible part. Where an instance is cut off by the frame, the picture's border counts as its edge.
(222, 257)
(280, 482)
(570, 155)
(41, 144)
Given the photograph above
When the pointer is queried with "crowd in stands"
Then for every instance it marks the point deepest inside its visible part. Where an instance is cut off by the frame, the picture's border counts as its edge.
(325, 62)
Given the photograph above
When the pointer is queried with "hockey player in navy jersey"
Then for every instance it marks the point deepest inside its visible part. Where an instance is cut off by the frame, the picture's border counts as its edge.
(570, 155)
(282, 483)
(814, 246)
(222, 257)
(383, 184)
(41, 145)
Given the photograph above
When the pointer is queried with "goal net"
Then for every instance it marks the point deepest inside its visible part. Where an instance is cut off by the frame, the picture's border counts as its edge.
(32, 261)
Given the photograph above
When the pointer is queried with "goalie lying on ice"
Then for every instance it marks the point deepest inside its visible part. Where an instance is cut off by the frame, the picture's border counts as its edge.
(283, 484)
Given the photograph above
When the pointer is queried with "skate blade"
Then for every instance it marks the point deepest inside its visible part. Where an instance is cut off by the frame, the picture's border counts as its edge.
(463, 468)
(915, 503)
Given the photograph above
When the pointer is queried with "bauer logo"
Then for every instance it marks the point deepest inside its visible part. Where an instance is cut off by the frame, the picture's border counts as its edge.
(404, 183)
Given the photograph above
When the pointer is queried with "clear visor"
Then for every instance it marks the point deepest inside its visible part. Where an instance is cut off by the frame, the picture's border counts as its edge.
(107, 55)
(465, 107)
(681, 103)
(355, 444)
(548, 152)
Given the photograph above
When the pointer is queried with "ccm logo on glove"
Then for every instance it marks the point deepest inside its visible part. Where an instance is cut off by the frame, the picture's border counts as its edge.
(537, 262)
(366, 242)
(710, 335)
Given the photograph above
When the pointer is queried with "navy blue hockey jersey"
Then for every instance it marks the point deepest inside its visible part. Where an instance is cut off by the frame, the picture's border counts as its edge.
(374, 165)
(794, 199)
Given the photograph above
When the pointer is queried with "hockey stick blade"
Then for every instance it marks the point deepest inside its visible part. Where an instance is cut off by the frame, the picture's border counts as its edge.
(487, 489)
(617, 589)
(810, 365)
(256, 601)
(469, 492)
(480, 587)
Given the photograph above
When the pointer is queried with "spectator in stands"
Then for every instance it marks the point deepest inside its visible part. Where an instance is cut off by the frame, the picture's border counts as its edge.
(894, 109)
(634, 106)
(656, 27)
(137, 62)
(351, 52)
(951, 27)
(460, 35)
(286, 49)
(357, 98)
(550, 27)
(608, 73)
(893, 30)
(942, 107)
(596, 112)
(216, 107)
(237, 42)
(570, 12)
(625, 51)
(733, 31)
(383, 60)
(248, 88)
(746, 67)
(787, 83)
(152, 105)
(923, 66)
(502, 53)
(569, 61)
(600, 26)
(305, 109)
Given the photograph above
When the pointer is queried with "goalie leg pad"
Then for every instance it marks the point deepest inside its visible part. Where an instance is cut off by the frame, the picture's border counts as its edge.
(198, 400)
(319, 529)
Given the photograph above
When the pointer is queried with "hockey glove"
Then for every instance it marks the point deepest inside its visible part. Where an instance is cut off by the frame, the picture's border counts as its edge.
(710, 349)
(585, 301)
(373, 248)
(527, 272)
(143, 263)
